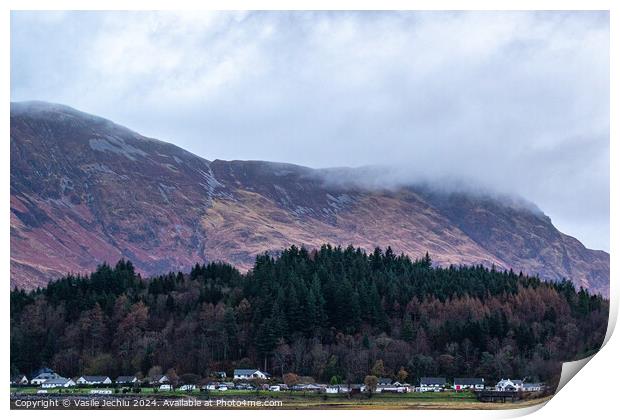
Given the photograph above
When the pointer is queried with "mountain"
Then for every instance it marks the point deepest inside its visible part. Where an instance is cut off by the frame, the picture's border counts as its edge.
(85, 190)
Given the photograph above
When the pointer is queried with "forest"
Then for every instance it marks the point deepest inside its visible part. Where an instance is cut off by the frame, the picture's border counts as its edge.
(327, 313)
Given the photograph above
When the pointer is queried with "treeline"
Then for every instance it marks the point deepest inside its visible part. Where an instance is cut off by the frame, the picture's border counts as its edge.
(328, 313)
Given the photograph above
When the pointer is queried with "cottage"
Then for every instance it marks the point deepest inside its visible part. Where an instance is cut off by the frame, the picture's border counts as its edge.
(159, 380)
(249, 374)
(19, 380)
(396, 387)
(509, 385)
(432, 384)
(337, 389)
(126, 380)
(43, 377)
(476, 384)
(309, 387)
(94, 380)
(533, 387)
(59, 382)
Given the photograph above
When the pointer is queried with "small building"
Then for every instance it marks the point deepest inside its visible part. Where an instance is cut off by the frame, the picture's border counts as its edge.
(249, 374)
(533, 387)
(159, 380)
(59, 382)
(394, 387)
(165, 387)
(43, 377)
(432, 384)
(126, 380)
(94, 380)
(509, 385)
(337, 389)
(476, 384)
(19, 380)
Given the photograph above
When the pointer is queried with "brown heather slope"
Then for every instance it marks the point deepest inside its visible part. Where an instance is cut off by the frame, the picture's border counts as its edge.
(85, 191)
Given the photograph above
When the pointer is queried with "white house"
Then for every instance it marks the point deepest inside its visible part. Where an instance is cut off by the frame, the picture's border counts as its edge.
(250, 374)
(533, 387)
(126, 380)
(509, 385)
(94, 380)
(42, 377)
(432, 384)
(476, 384)
(59, 382)
(160, 379)
(19, 380)
(395, 387)
(337, 389)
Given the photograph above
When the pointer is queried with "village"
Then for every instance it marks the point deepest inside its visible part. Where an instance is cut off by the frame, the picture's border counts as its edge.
(47, 381)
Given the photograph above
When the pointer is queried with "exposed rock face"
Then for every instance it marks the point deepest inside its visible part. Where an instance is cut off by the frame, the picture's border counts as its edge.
(85, 191)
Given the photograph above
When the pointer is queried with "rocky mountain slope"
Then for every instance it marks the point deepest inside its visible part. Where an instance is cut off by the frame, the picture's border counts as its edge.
(85, 190)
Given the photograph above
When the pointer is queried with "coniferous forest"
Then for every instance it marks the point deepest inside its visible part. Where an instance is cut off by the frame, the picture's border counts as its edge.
(333, 312)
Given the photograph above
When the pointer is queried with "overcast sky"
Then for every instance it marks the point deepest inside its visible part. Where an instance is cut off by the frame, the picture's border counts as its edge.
(516, 102)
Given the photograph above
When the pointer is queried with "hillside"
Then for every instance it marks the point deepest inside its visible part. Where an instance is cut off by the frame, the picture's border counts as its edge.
(327, 313)
(85, 190)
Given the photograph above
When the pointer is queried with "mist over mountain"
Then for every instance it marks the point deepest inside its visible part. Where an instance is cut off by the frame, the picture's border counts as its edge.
(85, 190)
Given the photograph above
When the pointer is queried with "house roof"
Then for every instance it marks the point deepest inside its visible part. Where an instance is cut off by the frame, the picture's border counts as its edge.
(94, 378)
(125, 378)
(510, 382)
(42, 371)
(57, 381)
(245, 371)
(384, 381)
(432, 381)
(47, 375)
(159, 378)
(469, 381)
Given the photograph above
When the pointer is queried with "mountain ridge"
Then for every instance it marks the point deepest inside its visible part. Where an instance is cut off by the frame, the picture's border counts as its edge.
(85, 190)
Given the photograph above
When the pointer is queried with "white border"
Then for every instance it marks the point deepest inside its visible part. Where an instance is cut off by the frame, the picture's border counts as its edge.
(591, 394)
